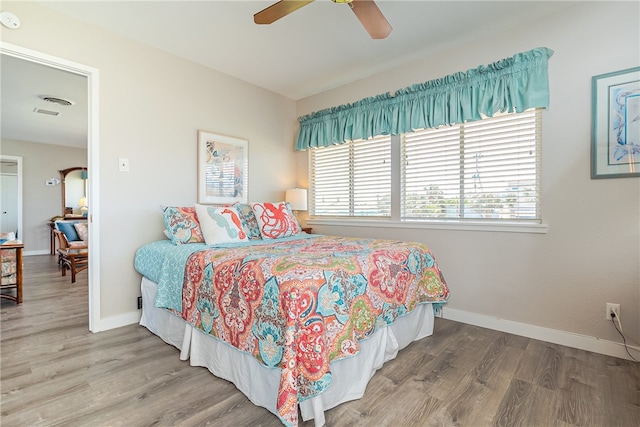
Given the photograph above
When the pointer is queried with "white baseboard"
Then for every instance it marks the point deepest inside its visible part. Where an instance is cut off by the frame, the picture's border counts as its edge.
(40, 252)
(118, 321)
(569, 339)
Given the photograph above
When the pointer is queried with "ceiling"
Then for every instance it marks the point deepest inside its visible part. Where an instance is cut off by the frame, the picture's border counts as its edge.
(318, 47)
(28, 117)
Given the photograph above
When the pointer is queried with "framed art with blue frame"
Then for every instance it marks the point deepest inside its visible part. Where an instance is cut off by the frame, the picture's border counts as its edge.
(615, 149)
(223, 168)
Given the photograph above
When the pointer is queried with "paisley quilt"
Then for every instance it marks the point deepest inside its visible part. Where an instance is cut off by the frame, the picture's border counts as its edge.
(300, 304)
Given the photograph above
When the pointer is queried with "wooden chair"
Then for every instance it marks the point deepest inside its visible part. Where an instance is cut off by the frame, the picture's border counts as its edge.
(64, 244)
(71, 255)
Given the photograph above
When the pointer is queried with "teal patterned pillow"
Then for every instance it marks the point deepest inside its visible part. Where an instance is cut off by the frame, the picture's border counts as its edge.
(182, 224)
(249, 221)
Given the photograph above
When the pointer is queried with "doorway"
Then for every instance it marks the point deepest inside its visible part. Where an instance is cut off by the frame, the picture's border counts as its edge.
(11, 195)
(91, 75)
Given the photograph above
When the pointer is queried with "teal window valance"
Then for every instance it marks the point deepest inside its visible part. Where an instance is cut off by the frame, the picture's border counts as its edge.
(510, 85)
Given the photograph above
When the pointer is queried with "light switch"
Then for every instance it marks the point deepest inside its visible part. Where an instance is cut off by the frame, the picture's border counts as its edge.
(123, 164)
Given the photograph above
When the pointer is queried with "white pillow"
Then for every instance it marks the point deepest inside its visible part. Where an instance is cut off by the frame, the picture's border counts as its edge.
(220, 224)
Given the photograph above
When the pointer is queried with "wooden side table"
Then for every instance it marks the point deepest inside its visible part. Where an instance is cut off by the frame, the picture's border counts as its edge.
(11, 255)
(308, 230)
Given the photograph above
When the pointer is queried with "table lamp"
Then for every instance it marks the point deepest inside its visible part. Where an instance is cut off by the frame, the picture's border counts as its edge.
(83, 206)
(297, 199)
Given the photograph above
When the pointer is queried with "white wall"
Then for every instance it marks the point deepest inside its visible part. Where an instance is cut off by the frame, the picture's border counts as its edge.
(151, 106)
(591, 254)
(41, 162)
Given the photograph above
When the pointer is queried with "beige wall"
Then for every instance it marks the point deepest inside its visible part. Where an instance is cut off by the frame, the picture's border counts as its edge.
(591, 254)
(151, 105)
(41, 162)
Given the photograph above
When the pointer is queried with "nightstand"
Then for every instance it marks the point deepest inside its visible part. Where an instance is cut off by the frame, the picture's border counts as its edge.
(308, 230)
(11, 254)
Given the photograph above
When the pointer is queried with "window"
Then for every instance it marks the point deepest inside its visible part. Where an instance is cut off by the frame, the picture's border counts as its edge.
(351, 179)
(486, 170)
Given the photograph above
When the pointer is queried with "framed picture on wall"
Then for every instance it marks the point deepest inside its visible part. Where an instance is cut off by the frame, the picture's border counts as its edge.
(615, 150)
(223, 168)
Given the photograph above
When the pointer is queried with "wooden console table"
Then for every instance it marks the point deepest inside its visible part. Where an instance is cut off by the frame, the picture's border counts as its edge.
(11, 254)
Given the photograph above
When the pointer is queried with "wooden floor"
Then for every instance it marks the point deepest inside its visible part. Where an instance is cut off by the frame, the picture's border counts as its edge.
(56, 373)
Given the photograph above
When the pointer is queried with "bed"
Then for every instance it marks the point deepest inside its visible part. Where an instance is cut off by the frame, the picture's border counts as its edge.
(298, 322)
(295, 321)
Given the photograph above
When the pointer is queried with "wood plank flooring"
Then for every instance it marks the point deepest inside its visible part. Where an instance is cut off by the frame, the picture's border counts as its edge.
(54, 372)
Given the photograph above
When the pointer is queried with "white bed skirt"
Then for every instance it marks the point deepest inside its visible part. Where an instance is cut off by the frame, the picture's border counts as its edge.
(259, 383)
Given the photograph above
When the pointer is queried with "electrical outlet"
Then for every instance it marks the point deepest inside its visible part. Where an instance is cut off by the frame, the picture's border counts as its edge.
(123, 164)
(612, 308)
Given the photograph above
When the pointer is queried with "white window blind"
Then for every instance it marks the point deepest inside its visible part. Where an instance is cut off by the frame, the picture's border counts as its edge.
(487, 169)
(351, 179)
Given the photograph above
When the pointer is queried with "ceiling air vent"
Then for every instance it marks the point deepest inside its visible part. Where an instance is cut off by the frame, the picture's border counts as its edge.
(56, 100)
(43, 111)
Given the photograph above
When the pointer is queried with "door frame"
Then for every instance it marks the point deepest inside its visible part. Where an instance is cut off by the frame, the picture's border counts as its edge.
(92, 75)
(18, 160)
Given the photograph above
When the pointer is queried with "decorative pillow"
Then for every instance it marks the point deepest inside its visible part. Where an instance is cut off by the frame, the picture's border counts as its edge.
(182, 224)
(220, 224)
(82, 228)
(69, 230)
(249, 222)
(276, 220)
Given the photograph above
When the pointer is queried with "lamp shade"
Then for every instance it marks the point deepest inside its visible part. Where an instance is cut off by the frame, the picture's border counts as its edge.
(297, 198)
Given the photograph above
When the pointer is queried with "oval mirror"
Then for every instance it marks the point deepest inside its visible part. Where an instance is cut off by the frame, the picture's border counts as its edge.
(74, 191)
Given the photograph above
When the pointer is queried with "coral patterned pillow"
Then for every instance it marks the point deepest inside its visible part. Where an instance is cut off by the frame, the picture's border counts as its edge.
(220, 224)
(182, 224)
(275, 220)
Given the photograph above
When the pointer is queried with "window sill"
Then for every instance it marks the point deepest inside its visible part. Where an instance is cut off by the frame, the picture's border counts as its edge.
(505, 227)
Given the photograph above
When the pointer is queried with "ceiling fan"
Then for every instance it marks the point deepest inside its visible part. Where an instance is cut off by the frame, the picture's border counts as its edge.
(366, 11)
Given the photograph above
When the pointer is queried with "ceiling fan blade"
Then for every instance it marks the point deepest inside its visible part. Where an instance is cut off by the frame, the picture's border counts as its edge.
(371, 18)
(278, 10)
